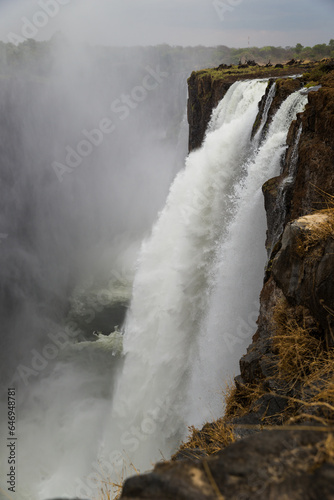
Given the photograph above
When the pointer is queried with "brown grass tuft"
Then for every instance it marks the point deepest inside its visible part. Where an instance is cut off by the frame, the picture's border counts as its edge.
(305, 368)
(300, 351)
(111, 490)
(322, 229)
(210, 439)
(304, 363)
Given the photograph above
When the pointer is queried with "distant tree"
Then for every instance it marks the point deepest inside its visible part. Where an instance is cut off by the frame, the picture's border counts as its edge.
(299, 47)
(320, 50)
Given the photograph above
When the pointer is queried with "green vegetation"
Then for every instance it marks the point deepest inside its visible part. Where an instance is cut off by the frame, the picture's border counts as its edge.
(315, 75)
(280, 55)
(37, 57)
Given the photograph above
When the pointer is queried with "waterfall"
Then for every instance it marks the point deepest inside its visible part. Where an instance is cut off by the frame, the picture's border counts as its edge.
(237, 275)
(193, 310)
(148, 417)
(206, 253)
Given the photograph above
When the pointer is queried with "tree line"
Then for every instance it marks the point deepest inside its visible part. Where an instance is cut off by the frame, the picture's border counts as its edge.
(37, 58)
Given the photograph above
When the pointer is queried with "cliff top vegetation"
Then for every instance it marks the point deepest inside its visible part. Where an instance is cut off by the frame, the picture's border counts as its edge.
(312, 72)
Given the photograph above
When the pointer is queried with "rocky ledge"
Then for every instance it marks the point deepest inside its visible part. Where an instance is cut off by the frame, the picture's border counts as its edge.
(268, 466)
(207, 87)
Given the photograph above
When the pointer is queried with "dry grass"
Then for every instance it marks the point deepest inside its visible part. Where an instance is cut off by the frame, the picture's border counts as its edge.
(328, 199)
(111, 490)
(209, 440)
(322, 225)
(300, 351)
(239, 400)
(215, 436)
(321, 228)
(305, 363)
(326, 450)
(305, 367)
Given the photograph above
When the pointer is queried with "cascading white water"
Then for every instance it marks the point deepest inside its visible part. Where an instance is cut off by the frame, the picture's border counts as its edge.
(170, 294)
(201, 268)
(238, 273)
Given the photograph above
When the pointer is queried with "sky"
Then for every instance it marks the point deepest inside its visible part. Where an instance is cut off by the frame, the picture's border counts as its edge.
(177, 22)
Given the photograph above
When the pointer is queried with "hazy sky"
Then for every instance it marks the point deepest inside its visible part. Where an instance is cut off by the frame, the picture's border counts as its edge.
(177, 22)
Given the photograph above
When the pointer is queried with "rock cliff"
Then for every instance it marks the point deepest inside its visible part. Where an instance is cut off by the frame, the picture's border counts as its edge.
(280, 414)
(207, 87)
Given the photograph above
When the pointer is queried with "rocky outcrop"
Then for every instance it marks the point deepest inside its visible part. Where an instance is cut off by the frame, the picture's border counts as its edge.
(207, 87)
(306, 181)
(205, 93)
(294, 465)
(304, 267)
(283, 88)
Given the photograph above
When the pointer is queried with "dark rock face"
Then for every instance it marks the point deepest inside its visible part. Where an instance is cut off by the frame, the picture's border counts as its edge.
(284, 88)
(304, 267)
(316, 153)
(274, 465)
(301, 265)
(310, 160)
(204, 95)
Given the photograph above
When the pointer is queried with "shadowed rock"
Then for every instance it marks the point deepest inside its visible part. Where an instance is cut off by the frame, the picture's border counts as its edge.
(271, 465)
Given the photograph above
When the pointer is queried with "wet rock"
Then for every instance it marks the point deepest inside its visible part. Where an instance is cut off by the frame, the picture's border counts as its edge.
(262, 105)
(284, 88)
(204, 95)
(315, 165)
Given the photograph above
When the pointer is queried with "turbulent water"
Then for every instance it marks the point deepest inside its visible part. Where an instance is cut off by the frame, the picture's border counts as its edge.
(100, 414)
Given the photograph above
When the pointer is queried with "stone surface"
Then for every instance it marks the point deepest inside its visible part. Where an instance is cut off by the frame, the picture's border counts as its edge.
(305, 270)
(313, 176)
(277, 465)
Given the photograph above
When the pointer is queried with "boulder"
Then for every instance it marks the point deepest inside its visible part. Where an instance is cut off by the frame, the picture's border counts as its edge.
(270, 465)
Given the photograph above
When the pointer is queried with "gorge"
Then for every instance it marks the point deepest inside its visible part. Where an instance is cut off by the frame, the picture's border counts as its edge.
(249, 215)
